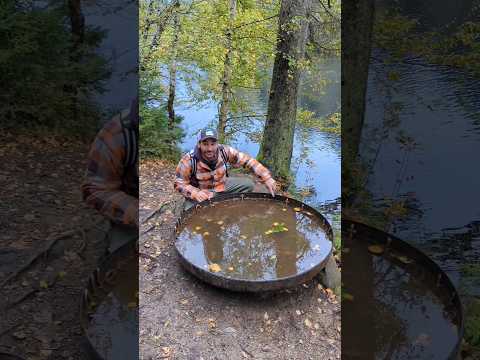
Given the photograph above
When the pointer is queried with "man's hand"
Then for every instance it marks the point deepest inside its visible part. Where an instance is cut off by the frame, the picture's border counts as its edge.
(203, 195)
(271, 186)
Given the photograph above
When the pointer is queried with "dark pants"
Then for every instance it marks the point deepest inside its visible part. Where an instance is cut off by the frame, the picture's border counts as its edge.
(232, 185)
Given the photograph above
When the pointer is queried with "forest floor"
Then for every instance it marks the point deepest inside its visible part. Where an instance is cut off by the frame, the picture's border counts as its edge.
(49, 244)
(183, 318)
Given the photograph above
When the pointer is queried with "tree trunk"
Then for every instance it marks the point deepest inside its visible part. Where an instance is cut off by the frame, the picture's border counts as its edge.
(227, 75)
(357, 24)
(277, 143)
(77, 23)
(173, 71)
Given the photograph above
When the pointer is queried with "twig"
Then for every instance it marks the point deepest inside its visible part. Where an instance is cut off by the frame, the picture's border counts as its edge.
(156, 211)
(148, 230)
(245, 350)
(27, 295)
(45, 250)
(254, 22)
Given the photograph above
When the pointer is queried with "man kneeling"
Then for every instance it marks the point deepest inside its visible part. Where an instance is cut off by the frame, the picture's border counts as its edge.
(202, 173)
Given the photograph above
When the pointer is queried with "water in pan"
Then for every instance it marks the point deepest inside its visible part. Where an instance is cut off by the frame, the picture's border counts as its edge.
(394, 306)
(113, 328)
(254, 239)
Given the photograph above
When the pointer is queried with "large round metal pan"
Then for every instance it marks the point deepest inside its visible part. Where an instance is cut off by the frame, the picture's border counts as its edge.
(242, 285)
(452, 303)
(97, 289)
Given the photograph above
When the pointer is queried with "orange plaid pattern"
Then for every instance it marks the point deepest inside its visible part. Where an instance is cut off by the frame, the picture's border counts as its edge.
(214, 180)
(108, 187)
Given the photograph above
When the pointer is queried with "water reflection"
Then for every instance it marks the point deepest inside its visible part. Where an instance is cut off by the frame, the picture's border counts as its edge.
(254, 240)
(395, 306)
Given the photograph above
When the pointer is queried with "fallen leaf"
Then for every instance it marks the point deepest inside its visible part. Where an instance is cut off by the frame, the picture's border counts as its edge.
(43, 284)
(214, 267)
(307, 323)
(184, 301)
(404, 259)
(212, 324)
(376, 249)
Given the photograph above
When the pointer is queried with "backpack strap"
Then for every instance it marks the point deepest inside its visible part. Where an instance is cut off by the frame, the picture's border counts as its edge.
(193, 165)
(130, 138)
(223, 153)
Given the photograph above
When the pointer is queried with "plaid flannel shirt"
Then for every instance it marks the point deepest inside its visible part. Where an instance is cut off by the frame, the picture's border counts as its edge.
(214, 180)
(108, 186)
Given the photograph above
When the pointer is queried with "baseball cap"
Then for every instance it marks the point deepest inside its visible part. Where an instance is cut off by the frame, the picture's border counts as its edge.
(207, 133)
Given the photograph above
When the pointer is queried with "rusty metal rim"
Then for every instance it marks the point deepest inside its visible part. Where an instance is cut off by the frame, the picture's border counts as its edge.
(93, 290)
(236, 284)
(379, 236)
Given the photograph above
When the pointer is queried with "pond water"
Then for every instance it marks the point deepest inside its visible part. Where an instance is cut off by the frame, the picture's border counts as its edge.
(319, 168)
(253, 239)
(439, 109)
(396, 307)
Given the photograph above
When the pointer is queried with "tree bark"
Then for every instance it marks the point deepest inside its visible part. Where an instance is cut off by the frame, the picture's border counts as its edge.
(77, 23)
(227, 75)
(357, 24)
(277, 143)
(173, 70)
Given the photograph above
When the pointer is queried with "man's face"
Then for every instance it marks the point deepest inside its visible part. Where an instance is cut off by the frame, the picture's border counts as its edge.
(208, 148)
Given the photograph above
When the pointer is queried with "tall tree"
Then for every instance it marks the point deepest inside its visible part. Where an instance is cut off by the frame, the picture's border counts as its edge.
(357, 25)
(277, 143)
(173, 68)
(227, 73)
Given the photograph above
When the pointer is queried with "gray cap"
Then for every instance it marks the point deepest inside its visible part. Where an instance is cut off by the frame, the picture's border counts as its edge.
(207, 133)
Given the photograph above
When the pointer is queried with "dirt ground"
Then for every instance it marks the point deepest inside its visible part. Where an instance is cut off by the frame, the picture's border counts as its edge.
(41, 208)
(183, 318)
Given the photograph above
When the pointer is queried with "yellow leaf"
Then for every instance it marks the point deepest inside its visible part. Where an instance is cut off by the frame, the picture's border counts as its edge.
(376, 249)
(214, 267)
(43, 284)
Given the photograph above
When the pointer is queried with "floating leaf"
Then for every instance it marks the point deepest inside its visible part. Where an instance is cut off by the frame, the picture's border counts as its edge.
(275, 224)
(296, 209)
(347, 296)
(376, 249)
(284, 209)
(209, 220)
(206, 233)
(243, 237)
(404, 259)
(214, 267)
(132, 304)
(198, 228)
(230, 268)
(220, 222)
